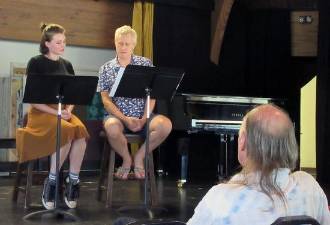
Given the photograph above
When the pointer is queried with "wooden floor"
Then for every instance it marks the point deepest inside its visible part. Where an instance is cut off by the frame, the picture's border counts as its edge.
(178, 202)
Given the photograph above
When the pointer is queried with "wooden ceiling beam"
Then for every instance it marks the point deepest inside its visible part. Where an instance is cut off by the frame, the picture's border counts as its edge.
(224, 8)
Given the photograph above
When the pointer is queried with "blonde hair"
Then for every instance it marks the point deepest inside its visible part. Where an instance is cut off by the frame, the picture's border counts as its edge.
(126, 30)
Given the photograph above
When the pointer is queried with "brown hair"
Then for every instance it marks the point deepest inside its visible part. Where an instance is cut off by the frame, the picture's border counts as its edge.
(48, 31)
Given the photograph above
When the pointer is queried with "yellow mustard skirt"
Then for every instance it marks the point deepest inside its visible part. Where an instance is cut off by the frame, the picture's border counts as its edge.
(38, 138)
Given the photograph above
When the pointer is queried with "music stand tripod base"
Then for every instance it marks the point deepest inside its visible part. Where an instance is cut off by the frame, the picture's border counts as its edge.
(53, 214)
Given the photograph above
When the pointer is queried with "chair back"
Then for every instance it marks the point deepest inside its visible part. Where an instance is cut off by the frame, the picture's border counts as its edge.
(296, 220)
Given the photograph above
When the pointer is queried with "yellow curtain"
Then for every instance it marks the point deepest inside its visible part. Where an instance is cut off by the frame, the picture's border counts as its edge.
(143, 19)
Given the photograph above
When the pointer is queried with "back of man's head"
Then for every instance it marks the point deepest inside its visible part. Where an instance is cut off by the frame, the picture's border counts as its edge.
(271, 141)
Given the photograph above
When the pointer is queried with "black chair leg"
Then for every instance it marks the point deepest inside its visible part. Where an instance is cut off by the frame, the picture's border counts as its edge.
(104, 162)
(111, 170)
(28, 185)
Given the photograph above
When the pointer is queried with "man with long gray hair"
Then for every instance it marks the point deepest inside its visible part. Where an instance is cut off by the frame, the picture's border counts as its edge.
(266, 188)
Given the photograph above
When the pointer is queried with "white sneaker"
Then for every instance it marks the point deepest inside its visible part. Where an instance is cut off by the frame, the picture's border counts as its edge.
(71, 194)
(48, 194)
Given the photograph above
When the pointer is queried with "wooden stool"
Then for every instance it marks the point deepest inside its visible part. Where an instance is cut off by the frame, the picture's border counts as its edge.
(19, 172)
(11, 143)
(110, 159)
(26, 168)
(31, 176)
(24, 189)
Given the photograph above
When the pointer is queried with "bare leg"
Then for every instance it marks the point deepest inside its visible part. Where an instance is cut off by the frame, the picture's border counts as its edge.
(64, 150)
(114, 129)
(160, 128)
(77, 153)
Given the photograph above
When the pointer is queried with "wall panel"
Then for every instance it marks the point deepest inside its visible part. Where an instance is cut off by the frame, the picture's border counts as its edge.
(88, 22)
(304, 35)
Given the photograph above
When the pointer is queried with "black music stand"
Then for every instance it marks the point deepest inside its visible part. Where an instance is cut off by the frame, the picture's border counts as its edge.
(58, 89)
(149, 82)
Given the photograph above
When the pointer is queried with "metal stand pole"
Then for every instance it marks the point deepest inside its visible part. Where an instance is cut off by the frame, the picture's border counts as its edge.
(147, 209)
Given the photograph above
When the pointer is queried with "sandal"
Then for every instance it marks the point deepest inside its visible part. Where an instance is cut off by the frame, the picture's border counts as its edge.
(139, 172)
(122, 173)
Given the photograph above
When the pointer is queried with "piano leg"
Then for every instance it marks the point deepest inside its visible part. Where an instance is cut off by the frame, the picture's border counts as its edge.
(223, 155)
(233, 164)
(183, 148)
(228, 144)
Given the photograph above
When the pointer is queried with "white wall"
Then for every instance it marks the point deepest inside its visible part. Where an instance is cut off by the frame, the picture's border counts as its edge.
(82, 58)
